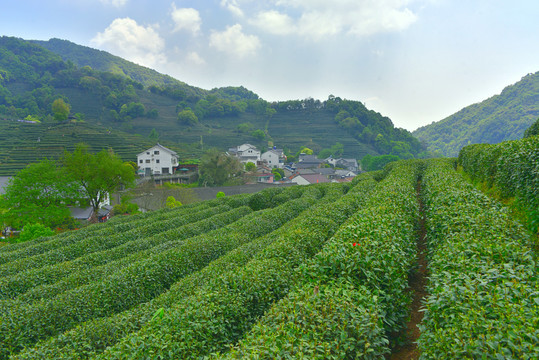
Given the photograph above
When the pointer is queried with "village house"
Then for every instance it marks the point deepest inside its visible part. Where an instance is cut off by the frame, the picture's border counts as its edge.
(157, 160)
(245, 153)
(275, 158)
(309, 179)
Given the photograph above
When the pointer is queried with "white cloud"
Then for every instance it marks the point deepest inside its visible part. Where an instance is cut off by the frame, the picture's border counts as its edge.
(186, 19)
(234, 42)
(233, 7)
(319, 18)
(194, 58)
(125, 38)
(274, 22)
(116, 3)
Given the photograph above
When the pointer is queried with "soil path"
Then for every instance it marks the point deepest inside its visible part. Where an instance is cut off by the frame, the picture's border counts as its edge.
(417, 282)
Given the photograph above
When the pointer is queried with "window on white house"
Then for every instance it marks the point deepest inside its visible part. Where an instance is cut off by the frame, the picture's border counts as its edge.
(156, 152)
(147, 153)
(157, 161)
(147, 161)
(140, 161)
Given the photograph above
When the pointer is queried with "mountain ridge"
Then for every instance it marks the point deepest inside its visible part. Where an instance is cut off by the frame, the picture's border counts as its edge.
(501, 117)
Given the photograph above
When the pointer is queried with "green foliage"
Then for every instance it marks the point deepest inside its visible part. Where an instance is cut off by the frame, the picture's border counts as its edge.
(34, 231)
(258, 134)
(373, 163)
(153, 135)
(98, 175)
(512, 168)
(39, 193)
(220, 194)
(278, 174)
(250, 166)
(217, 167)
(500, 118)
(172, 202)
(187, 117)
(532, 130)
(60, 110)
(132, 110)
(483, 300)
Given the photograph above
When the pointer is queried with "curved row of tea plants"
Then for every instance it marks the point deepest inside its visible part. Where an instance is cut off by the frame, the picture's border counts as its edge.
(226, 307)
(114, 225)
(24, 324)
(92, 337)
(512, 167)
(483, 282)
(95, 267)
(352, 295)
(49, 270)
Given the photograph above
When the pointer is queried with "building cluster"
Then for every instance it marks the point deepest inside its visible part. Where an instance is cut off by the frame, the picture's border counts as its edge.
(307, 170)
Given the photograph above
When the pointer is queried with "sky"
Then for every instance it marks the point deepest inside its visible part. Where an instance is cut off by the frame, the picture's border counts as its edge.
(415, 61)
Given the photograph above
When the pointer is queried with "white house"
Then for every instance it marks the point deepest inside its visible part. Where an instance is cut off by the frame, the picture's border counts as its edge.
(275, 158)
(245, 153)
(157, 160)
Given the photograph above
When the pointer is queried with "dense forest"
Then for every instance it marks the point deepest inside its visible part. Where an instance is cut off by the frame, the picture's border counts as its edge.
(500, 118)
(139, 101)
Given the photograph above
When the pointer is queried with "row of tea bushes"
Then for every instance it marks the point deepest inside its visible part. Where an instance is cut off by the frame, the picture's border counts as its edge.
(227, 306)
(483, 285)
(92, 337)
(512, 167)
(22, 324)
(352, 295)
(39, 246)
(47, 269)
(95, 267)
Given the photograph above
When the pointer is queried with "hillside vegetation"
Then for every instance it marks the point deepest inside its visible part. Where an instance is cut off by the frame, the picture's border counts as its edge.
(307, 271)
(139, 101)
(500, 118)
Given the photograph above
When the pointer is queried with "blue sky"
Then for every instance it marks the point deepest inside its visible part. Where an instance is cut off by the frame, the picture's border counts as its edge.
(416, 61)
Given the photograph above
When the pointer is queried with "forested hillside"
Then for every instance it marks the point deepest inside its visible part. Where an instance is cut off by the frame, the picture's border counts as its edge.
(32, 78)
(502, 117)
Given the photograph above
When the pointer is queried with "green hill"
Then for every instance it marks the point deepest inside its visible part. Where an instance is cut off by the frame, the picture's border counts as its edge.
(104, 61)
(137, 101)
(502, 117)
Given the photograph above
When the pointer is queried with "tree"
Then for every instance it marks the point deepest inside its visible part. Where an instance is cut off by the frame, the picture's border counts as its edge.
(34, 231)
(172, 202)
(217, 167)
(532, 130)
(250, 167)
(60, 109)
(220, 194)
(188, 117)
(39, 193)
(97, 175)
(154, 135)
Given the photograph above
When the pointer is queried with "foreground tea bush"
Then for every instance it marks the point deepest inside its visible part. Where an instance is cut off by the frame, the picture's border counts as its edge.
(219, 312)
(352, 294)
(24, 324)
(483, 284)
(92, 337)
(511, 167)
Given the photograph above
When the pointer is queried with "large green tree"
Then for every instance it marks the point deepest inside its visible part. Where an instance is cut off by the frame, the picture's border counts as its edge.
(39, 193)
(60, 109)
(216, 168)
(97, 175)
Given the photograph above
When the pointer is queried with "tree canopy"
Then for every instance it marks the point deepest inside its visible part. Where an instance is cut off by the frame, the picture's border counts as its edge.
(40, 193)
(217, 167)
(97, 174)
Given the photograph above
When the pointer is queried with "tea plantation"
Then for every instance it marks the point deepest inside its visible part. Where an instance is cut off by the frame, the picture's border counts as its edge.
(312, 272)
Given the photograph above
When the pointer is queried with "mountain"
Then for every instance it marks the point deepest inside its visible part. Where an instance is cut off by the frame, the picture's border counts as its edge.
(139, 101)
(502, 117)
(103, 61)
